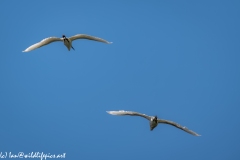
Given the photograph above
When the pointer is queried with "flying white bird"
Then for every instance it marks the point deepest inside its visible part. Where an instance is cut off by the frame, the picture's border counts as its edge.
(67, 41)
(152, 119)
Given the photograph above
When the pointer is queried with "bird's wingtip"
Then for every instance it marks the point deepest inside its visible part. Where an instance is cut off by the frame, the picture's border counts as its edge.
(198, 135)
(26, 50)
(112, 112)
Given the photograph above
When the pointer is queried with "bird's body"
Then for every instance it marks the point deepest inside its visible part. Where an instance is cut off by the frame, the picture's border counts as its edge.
(153, 123)
(67, 41)
(153, 120)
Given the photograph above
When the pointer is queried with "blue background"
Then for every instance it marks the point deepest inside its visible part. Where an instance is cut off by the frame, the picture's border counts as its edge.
(175, 59)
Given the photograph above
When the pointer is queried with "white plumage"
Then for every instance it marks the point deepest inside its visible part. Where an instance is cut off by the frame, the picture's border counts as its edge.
(67, 41)
(153, 120)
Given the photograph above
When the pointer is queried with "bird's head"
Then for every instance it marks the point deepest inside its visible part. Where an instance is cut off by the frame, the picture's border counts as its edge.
(63, 36)
(154, 118)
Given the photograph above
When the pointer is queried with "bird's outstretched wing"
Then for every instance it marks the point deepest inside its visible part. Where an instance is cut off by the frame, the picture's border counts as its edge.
(42, 43)
(178, 126)
(84, 36)
(130, 113)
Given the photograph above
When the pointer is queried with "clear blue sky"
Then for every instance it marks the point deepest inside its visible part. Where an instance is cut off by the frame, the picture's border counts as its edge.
(175, 59)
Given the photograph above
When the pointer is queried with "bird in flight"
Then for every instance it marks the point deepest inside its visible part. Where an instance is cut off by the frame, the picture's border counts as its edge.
(67, 41)
(152, 119)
